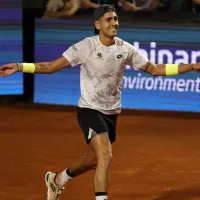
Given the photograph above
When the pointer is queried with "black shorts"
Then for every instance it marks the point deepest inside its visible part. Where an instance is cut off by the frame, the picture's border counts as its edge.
(93, 122)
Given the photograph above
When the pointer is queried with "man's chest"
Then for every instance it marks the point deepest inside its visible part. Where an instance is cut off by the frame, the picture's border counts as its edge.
(107, 58)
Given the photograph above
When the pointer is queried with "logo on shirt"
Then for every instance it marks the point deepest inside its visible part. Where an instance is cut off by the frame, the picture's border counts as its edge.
(99, 56)
(119, 56)
(76, 61)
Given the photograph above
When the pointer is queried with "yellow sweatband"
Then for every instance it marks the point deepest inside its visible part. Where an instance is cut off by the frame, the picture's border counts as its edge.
(28, 67)
(171, 69)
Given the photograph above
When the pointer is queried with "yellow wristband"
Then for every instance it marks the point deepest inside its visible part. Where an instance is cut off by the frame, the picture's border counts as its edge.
(171, 69)
(28, 67)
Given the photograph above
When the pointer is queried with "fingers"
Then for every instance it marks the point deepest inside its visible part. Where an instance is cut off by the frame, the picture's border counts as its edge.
(7, 66)
(2, 73)
(2, 68)
(5, 73)
(7, 69)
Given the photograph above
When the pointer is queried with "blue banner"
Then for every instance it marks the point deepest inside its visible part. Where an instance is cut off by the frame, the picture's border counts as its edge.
(11, 44)
(161, 44)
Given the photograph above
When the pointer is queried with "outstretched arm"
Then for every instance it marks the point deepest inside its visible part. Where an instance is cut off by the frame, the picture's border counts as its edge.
(39, 68)
(167, 69)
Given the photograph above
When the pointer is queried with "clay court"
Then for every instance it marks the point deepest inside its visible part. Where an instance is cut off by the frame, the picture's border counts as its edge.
(155, 157)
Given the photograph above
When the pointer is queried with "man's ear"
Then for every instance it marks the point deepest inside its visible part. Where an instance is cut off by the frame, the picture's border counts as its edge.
(97, 24)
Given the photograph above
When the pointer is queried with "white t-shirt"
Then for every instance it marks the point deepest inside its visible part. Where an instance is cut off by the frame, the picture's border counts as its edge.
(102, 71)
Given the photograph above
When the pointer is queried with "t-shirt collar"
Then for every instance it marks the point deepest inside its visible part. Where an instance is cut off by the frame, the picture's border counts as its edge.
(104, 45)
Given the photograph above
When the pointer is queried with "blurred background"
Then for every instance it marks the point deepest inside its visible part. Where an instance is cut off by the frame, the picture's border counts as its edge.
(166, 31)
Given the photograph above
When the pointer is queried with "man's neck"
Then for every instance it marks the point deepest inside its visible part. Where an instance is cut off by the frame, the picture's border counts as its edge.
(106, 41)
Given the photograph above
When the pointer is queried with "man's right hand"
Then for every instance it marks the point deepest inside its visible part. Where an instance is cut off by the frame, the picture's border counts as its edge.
(8, 69)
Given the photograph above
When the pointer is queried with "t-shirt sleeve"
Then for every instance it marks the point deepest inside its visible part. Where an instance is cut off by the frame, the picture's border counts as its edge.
(74, 54)
(135, 58)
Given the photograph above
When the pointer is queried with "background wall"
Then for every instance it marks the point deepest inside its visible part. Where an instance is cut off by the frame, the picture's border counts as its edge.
(161, 44)
(11, 44)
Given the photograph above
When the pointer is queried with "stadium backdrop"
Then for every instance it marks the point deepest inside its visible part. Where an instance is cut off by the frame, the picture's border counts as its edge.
(11, 44)
(161, 44)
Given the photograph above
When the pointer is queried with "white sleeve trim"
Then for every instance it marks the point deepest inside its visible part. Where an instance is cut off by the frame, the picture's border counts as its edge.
(68, 58)
(142, 65)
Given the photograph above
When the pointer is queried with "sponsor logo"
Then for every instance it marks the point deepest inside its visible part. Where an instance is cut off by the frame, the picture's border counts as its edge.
(119, 56)
(99, 56)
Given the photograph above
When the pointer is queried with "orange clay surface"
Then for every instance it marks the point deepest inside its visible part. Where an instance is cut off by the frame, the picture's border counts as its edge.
(154, 157)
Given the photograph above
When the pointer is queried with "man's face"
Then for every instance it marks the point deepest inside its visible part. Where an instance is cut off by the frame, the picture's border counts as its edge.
(108, 24)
